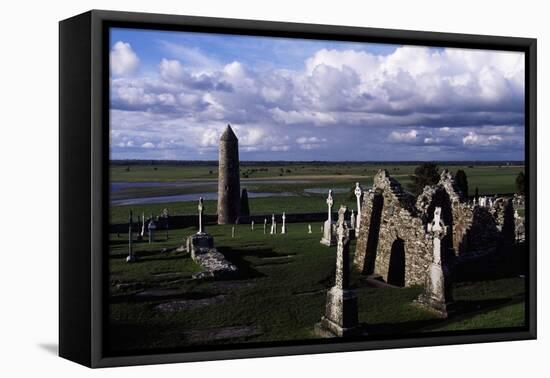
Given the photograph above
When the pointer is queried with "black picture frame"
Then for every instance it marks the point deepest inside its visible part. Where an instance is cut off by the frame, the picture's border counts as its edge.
(83, 180)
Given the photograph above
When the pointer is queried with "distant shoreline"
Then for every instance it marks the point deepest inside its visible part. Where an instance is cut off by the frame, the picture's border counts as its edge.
(116, 162)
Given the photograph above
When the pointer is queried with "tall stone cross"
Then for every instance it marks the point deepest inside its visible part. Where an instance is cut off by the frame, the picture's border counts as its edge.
(283, 229)
(273, 229)
(358, 193)
(341, 311)
(130, 237)
(200, 207)
(330, 202)
(438, 230)
(342, 255)
(131, 257)
(437, 294)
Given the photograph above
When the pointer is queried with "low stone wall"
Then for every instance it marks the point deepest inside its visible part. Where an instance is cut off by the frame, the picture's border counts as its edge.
(182, 221)
(215, 265)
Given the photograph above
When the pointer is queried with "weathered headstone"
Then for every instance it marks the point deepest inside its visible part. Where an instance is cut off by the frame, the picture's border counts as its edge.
(329, 238)
(352, 220)
(252, 225)
(273, 227)
(131, 257)
(283, 228)
(142, 225)
(151, 228)
(437, 292)
(341, 312)
(309, 228)
(358, 193)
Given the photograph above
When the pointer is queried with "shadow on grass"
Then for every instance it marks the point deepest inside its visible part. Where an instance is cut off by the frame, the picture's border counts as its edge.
(160, 295)
(245, 268)
(504, 263)
(463, 310)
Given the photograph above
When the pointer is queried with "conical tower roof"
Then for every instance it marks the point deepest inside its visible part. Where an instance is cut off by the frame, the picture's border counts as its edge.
(228, 134)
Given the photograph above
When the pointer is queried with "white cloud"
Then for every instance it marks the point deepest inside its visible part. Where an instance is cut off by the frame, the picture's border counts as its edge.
(123, 60)
(147, 145)
(283, 148)
(474, 138)
(170, 69)
(403, 137)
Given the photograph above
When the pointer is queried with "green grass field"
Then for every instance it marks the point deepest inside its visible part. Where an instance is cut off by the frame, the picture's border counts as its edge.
(281, 292)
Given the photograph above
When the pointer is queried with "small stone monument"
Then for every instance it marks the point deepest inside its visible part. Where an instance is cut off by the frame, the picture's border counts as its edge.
(131, 257)
(358, 193)
(201, 239)
(482, 201)
(309, 228)
(252, 225)
(142, 225)
(341, 314)
(265, 226)
(273, 226)
(283, 228)
(233, 231)
(352, 221)
(329, 239)
(151, 227)
(437, 294)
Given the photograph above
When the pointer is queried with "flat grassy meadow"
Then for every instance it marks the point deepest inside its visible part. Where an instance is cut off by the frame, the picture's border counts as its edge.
(279, 294)
(280, 291)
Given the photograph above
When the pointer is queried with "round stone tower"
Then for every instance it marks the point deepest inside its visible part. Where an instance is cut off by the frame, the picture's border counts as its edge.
(229, 185)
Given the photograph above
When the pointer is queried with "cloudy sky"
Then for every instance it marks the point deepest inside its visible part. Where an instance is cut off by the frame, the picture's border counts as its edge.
(172, 93)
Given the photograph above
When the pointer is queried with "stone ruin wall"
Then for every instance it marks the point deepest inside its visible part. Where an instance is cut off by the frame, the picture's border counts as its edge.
(390, 225)
(390, 216)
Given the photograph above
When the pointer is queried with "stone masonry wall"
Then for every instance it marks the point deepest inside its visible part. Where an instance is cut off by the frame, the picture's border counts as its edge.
(392, 241)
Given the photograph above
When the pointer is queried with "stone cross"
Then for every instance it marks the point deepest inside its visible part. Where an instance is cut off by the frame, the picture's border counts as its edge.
(152, 227)
(273, 229)
(437, 294)
(330, 202)
(265, 225)
(328, 238)
(482, 201)
(352, 220)
(342, 255)
(358, 193)
(341, 311)
(309, 228)
(283, 229)
(131, 257)
(200, 208)
(142, 224)
(252, 225)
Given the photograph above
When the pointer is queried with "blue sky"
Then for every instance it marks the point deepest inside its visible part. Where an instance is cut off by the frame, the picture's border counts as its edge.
(172, 93)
